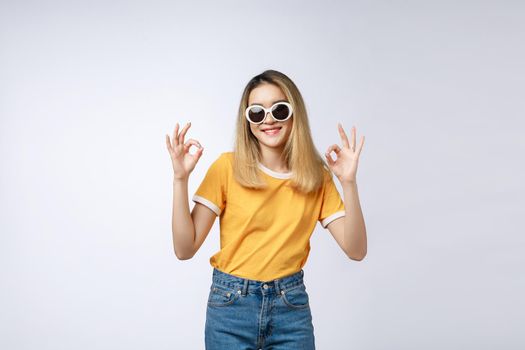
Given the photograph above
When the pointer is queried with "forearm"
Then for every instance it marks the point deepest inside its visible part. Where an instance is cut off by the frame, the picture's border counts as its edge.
(355, 230)
(182, 226)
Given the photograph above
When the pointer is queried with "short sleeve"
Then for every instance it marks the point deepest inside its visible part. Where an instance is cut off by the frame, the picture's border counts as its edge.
(332, 206)
(213, 188)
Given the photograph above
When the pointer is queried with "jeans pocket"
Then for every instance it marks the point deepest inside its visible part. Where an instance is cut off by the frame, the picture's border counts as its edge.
(222, 295)
(296, 297)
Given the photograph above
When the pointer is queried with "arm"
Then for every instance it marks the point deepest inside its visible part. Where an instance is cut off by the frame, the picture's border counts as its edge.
(182, 227)
(188, 230)
(350, 231)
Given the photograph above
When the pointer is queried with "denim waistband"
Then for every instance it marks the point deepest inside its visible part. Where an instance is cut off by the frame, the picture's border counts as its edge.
(248, 285)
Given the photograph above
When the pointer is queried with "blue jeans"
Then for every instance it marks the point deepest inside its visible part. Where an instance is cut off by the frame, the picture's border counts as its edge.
(245, 314)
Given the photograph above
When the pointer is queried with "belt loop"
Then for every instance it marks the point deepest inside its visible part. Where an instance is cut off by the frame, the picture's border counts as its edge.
(277, 284)
(245, 287)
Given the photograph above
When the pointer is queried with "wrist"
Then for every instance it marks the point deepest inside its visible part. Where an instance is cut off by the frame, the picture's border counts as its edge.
(349, 183)
(180, 180)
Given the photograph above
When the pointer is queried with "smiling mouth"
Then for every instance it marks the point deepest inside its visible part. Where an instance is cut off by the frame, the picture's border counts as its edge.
(272, 131)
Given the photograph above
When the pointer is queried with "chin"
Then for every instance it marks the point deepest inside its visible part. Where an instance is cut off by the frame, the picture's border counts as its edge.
(274, 144)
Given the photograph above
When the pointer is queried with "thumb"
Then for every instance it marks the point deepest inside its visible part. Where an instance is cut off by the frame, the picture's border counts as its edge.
(198, 153)
(329, 160)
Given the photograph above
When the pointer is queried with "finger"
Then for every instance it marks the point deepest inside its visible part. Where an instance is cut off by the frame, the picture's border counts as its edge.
(343, 135)
(334, 148)
(353, 138)
(198, 153)
(183, 132)
(168, 142)
(328, 154)
(360, 146)
(191, 142)
(329, 159)
(175, 132)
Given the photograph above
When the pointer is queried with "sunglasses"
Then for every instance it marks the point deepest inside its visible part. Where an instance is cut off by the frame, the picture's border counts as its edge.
(280, 111)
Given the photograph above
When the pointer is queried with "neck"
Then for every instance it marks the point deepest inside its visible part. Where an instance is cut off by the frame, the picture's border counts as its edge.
(272, 158)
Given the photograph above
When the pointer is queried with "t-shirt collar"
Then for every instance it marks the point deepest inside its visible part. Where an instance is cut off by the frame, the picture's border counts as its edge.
(274, 173)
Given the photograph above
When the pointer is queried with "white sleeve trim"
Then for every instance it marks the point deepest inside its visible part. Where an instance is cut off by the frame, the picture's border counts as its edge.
(207, 203)
(332, 217)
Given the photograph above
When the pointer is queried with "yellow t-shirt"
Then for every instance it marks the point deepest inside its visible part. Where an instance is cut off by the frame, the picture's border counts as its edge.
(264, 234)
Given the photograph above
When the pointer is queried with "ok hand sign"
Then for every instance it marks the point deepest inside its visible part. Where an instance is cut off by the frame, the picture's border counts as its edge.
(183, 161)
(345, 166)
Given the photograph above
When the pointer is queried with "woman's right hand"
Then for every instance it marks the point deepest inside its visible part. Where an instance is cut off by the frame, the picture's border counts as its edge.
(183, 161)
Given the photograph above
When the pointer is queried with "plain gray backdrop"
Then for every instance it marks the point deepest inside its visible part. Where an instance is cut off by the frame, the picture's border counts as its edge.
(88, 91)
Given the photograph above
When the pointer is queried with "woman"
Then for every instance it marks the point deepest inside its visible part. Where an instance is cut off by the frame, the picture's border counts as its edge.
(269, 193)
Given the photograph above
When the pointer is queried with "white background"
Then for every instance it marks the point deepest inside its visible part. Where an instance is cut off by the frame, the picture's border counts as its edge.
(88, 91)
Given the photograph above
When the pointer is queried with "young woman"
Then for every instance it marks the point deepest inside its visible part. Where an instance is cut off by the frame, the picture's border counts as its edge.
(269, 193)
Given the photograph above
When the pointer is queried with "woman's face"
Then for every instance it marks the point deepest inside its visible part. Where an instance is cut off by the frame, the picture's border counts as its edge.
(266, 95)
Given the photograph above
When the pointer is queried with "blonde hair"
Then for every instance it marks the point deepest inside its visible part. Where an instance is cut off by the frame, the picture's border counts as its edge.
(300, 154)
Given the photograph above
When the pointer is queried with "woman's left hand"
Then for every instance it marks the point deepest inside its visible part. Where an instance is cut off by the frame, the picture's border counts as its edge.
(345, 166)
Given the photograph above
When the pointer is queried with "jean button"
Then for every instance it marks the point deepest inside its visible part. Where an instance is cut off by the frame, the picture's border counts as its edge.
(265, 286)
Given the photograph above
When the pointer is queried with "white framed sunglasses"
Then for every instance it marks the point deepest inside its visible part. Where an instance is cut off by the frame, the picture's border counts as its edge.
(280, 111)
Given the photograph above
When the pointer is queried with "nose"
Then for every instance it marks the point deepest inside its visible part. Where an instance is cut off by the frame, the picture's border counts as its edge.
(270, 119)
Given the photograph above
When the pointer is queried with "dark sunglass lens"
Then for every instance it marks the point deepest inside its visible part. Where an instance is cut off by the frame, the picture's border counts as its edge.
(280, 111)
(256, 114)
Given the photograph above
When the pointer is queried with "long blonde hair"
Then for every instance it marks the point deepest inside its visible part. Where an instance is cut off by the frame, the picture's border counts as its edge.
(300, 154)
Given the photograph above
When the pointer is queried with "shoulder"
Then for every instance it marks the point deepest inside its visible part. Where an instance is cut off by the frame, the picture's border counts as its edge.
(225, 158)
(328, 178)
(327, 174)
(226, 155)
(223, 161)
